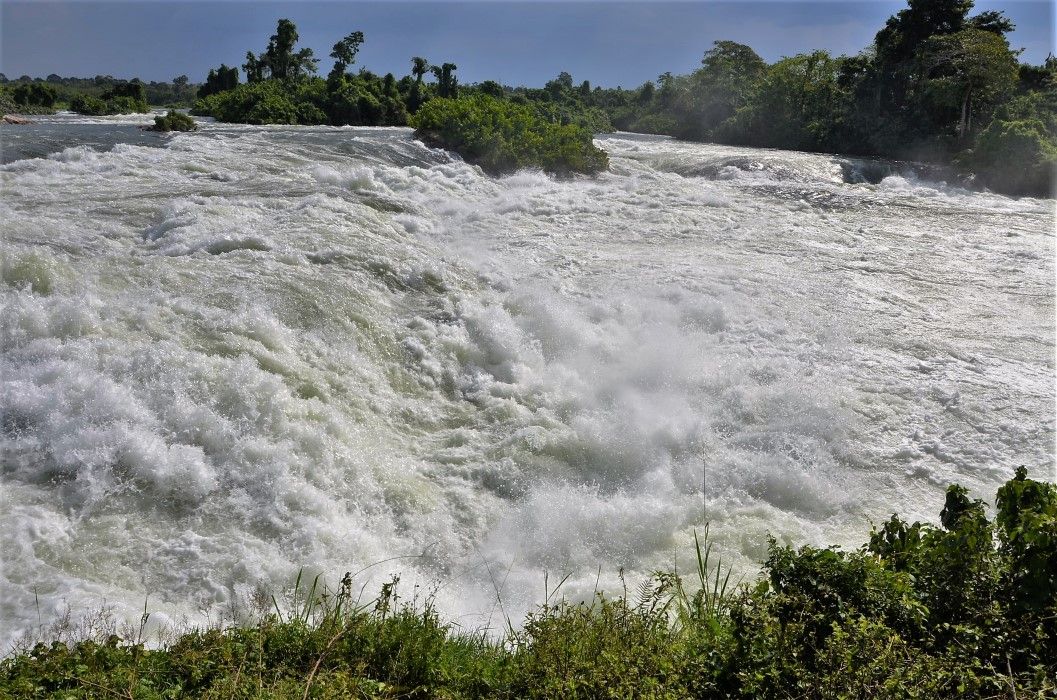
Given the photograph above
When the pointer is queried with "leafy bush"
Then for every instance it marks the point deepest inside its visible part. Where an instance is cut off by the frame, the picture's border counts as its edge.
(119, 104)
(503, 136)
(1017, 157)
(123, 104)
(174, 121)
(86, 104)
(34, 94)
(265, 102)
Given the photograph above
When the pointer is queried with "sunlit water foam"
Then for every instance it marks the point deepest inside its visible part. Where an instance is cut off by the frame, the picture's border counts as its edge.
(262, 349)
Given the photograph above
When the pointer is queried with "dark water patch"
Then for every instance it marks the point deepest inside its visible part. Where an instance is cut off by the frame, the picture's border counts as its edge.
(230, 246)
(857, 171)
(829, 200)
(41, 139)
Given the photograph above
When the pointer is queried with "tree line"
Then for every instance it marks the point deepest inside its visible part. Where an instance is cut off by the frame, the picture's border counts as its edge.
(46, 94)
(938, 84)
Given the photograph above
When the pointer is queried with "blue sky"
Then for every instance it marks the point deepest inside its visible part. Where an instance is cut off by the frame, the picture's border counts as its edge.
(521, 43)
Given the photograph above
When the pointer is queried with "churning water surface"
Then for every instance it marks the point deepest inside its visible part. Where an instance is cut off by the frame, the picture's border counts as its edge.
(239, 353)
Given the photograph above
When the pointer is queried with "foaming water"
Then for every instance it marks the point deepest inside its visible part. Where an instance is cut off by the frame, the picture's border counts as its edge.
(234, 354)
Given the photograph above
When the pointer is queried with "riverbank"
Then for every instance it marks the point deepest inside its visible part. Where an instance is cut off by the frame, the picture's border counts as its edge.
(964, 610)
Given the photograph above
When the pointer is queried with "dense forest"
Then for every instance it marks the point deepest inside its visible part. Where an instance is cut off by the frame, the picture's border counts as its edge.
(938, 84)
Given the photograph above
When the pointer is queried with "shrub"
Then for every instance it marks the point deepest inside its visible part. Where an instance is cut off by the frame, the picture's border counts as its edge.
(86, 104)
(174, 121)
(503, 136)
(120, 104)
(1016, 157)
(34, 94)
(124, 104)
(264, 102)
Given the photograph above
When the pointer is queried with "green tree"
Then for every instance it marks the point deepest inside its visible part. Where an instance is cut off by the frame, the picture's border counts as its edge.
(254, 68)
(969, 70)
(419, 67)
(992, 21)
(279, 60)
(447, 83)
(905, 31)
(34, 94)
(344, 55)
(793, 106)
(219, 80)
(727, 78)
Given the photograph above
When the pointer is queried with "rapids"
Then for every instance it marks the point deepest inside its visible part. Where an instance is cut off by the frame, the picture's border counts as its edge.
(235, 354)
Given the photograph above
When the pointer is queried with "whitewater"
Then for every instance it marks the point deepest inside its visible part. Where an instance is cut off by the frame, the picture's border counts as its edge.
(235, 355)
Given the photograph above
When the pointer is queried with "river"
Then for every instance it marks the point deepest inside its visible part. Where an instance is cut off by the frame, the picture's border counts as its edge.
(237, 354)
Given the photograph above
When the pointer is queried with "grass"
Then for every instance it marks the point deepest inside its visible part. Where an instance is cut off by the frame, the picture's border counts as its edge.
(968, 609)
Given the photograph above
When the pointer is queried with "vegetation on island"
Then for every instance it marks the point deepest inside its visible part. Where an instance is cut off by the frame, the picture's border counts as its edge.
(503, 136)
(26, 95)
(967, 609)
(479, 122)
(121, 98)
(174, 121)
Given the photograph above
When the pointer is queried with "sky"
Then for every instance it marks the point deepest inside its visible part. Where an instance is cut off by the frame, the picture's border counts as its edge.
(516, 43)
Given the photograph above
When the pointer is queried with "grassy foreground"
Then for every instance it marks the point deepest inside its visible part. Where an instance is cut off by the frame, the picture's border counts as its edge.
(968, 609)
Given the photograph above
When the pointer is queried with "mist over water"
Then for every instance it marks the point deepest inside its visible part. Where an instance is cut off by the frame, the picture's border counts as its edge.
(233, 354)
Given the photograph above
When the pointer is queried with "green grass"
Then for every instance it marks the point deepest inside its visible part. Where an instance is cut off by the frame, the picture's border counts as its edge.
(968, 610)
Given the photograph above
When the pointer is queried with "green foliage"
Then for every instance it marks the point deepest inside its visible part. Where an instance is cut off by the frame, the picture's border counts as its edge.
(179, 93)
(967, 73)
(34, 94)
(344, 55)
(219, 80)
(122, 98)
(279, 60)
(174, 121)
(932, 87)
(447, 83)
(503, 136)
(86, 104)
(266, 102)
(920, 612)
(804, 90)
(133, 90)
(1017, 152)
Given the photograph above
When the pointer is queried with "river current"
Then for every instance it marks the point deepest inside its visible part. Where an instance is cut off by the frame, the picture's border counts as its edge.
(236, 354)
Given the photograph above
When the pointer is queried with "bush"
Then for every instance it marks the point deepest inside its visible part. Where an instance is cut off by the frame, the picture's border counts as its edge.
(86, 104)
(121, 104)
(1016, 157)
(34, 94)
(265, 102)
(174, 121)
(503, 136)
